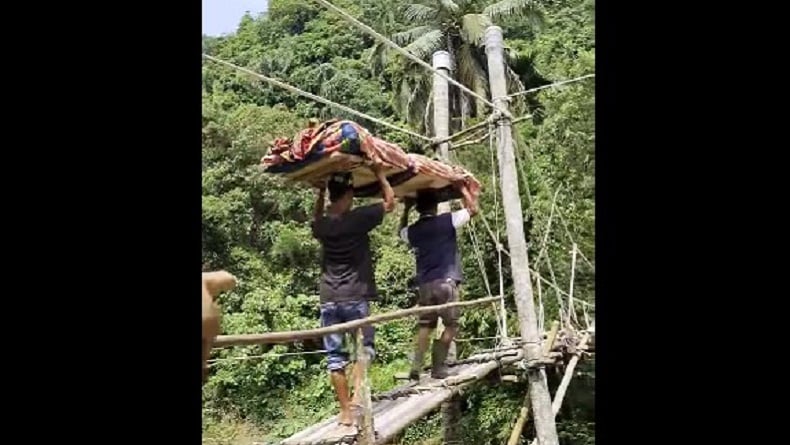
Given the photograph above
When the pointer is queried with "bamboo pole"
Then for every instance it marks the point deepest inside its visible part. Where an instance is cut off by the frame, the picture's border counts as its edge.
(392, 416)
(522, 416)
(520, 421)
(441, 129)
(398, 419)
(366, 433)
(471, 142)
(551, 338)
(518, 343)
(545, 427)
(541, 311)
(224, 341)
(467, 130)
(566, 378)
(497, 353)
(571, 308)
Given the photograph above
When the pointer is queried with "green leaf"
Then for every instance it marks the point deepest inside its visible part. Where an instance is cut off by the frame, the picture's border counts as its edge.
(405, 37)
(473, 27)
(419, 13)
(426, 44)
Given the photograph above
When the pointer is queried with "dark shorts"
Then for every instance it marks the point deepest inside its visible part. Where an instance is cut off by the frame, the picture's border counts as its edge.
(439, 292)
(336, 313)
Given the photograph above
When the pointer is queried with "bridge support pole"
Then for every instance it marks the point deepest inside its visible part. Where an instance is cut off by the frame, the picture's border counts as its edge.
(515, 435)
(441, 110)
(546, 429)
(451, 410)
(367, 435)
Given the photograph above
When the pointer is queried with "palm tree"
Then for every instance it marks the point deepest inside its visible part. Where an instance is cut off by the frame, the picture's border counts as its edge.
(458, 27)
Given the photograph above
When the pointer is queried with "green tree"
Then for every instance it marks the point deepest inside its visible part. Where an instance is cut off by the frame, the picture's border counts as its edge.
(256, 225)
(458, 27)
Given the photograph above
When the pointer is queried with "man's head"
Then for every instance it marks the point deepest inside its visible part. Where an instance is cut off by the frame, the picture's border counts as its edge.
(427, 202)
(341, 191)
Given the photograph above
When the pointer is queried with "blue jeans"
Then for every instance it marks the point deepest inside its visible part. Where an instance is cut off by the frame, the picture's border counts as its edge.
(335, 313)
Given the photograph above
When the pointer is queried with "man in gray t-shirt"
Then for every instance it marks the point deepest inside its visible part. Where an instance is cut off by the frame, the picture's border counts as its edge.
(347, 279)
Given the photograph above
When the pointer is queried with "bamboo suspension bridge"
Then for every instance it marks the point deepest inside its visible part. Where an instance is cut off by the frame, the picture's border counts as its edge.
(389, 413)
(382, 417)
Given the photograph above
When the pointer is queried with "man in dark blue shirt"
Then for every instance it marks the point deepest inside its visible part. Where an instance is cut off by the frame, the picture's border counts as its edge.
(347, 279)
(433, 238)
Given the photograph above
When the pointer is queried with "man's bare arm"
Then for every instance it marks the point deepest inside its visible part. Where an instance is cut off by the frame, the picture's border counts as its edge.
(386, 189)
(470, 204)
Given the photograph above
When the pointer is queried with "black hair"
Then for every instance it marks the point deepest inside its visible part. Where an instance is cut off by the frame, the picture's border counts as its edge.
(339, 185)
(426, 201)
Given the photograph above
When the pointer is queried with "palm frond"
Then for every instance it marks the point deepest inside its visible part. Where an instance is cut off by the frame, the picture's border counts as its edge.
(514, 57)
(427, 118)
(528, 9)
(418, 101)
(419, 13)
(513, 80)
(514, 85)
(426, 44)
(401, 102)
(506, 8)
(470, 68)
(471, 72)
(473, 27)
(405, 37)
(379, 55)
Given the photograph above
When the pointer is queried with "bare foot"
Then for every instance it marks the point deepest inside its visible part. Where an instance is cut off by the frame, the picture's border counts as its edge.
(346, 431)
(345, 418)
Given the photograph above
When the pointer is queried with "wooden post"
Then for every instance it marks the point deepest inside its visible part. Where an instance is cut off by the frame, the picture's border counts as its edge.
(451, 410)
(520, 421)
(551, 337)
(541, 311)
(522, 416)
(571, 308)
(538, 388)
(367, 431)
(441, 106)
(566, 378)
(441, 129)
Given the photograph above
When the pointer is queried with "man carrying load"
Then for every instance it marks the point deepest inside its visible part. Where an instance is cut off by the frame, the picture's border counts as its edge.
(433, 239)
(347, 279)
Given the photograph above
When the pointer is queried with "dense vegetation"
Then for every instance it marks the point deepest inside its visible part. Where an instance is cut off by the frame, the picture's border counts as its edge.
(257, 227)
